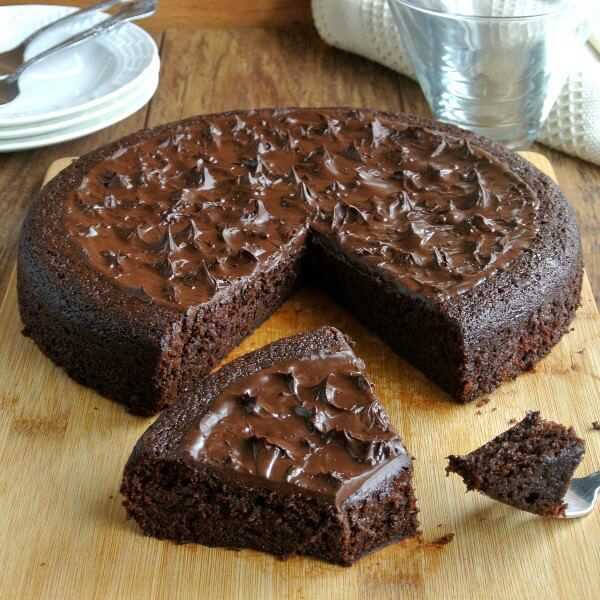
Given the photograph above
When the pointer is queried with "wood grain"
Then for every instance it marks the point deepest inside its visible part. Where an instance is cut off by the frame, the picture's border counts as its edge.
(212, 13)
(63, 447)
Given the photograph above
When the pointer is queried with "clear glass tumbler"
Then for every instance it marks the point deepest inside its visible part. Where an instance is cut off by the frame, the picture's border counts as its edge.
(493, 66)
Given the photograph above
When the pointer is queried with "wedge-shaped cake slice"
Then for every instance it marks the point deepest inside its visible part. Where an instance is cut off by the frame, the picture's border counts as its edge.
(285, 450)
(529, 466)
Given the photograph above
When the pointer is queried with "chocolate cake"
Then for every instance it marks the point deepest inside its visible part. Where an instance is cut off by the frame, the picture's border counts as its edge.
(285, 450)
(145, 262)
(529, 466)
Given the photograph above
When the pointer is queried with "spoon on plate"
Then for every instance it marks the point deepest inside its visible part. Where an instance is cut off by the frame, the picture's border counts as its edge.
(14, 58)
(9, 86)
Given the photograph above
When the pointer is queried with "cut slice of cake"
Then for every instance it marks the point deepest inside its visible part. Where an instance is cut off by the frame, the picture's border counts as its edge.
(529, 466)
(285, 450)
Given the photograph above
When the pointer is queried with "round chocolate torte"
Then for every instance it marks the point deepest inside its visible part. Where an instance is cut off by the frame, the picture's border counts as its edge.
(146, 261)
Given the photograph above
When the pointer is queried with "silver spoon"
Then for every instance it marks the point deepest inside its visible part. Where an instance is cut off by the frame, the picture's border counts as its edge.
(581, 495)
(9, 87)
(13, 58)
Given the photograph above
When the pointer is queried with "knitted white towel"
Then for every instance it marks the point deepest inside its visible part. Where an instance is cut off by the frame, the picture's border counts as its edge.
(366, 27)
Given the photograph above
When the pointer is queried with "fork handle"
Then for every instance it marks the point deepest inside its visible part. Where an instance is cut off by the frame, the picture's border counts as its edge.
(130, 12)
(100, 5)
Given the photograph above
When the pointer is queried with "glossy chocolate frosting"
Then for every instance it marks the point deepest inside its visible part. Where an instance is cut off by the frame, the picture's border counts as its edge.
(310, 422)
(186, 214)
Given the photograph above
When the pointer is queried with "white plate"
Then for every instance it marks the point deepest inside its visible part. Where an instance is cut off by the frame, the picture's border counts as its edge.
(137, 100)
(79, 79)
(78, 119)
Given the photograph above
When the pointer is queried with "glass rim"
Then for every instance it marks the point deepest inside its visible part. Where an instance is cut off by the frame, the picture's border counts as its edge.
(458, 15)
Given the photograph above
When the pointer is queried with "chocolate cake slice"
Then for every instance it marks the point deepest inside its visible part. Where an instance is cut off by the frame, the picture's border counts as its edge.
(528, 466)
(285, 450)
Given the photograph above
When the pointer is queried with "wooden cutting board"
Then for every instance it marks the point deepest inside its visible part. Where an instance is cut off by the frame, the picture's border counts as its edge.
(64, 534)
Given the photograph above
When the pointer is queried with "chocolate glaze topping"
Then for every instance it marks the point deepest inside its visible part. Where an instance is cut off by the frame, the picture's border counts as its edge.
(188, 213)
(313, 423)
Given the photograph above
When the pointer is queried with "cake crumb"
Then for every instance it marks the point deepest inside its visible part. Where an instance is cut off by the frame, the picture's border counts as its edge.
(482, 402)
(494, 409)
(442, 541)
(478, 412)
(512, 421)
(596, 425)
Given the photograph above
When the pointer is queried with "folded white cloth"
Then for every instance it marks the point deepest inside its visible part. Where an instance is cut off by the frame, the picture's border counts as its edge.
(366, 27)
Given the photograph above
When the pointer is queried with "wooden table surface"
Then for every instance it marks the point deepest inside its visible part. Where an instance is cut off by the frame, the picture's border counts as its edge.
(260, 67)
(63, 447)
(211, 13)
(214, 70)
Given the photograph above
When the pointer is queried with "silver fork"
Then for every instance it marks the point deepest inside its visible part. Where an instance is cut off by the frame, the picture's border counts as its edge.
(13, 58)
(581, 495)
(9, 87)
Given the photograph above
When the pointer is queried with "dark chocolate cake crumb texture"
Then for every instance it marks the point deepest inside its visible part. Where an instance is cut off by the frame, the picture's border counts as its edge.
(291, 453)
(443, 540)
(528, 466)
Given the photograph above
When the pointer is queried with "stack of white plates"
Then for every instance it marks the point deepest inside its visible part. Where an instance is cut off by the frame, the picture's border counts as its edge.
(79, 91)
